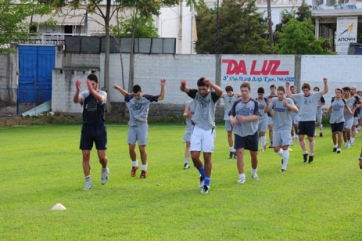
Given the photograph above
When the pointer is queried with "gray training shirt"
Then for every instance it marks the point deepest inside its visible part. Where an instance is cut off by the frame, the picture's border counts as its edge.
(249, 108)
(138, 109)
(337, 115)
(283, 117)
(228, 103)
(307, 105)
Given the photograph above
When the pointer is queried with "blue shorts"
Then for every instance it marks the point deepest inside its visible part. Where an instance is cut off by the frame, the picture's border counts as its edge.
(306, 128)
(247, 142)
(138, 133)
(93, 133)
(337, 127)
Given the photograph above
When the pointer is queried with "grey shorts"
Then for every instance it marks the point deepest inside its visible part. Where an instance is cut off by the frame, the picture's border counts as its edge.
(270, 120)
(348, 123)
(282, 138)
(319, 117)
(138, 133)
(263, 125)
(228, 126)
(188, 132)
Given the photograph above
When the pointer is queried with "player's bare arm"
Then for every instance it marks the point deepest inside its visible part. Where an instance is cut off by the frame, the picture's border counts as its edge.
(76, 97)
(287, 90)
(162, 93)
(325, 90)
(122, 91)
(215, 87)
(186, 111)
(92, 87)
(183, 86)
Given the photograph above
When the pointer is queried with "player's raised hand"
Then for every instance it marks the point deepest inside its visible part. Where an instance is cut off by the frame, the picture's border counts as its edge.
(163, 82)
(207, 81)
(287, 84)
(324, 80)
(78, 84)
(183, 82)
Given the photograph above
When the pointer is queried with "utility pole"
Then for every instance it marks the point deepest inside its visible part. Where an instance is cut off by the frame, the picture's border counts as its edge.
(270, 29)
(217, 29)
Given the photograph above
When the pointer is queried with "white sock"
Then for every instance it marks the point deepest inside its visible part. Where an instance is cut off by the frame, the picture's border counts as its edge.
(187, 160)
(352, 139)
(242, 176)
(285, 159)
(231, 148)
(321, 128)
(135, 163)
(252, 171)
(144, 167)
(263, 141)
(280, 152)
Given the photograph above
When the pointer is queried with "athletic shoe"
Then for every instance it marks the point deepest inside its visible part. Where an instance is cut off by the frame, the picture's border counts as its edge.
(133, 171)
(201, 181)
(241, 181)
(283, 170)
(321, 134)
(205, 189)
(352, 143)
(311, 159)
(186, 166)
(231, 155)
(271, 146)
(348, 146)
(88, 185)
(334, 149)
(104, 175)
(143, 174)
(255, 177)
(338, 152)
(234, 153)
(305, 156)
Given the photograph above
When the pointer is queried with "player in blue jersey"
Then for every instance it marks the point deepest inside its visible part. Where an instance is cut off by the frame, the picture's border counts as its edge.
(138, 106)
(203, 134)
(93, 127)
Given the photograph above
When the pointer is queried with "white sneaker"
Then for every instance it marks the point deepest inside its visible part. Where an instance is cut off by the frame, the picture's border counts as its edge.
(88, 185)
(241, 181)
(348, 146)
(205, 189)
(201, 184)
(104, 175)
(255, 177)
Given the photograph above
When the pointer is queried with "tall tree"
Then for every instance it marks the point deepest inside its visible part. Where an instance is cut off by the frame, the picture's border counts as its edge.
(298, 38)
(242, 30)
(13, 27)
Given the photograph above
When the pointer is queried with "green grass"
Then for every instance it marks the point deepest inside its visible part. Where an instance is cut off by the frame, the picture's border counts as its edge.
(41, 166)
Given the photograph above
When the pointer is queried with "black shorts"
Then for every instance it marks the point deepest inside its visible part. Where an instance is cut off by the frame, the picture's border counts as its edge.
(93, 133)
(337, 127)
(306, 128)
(247, 142)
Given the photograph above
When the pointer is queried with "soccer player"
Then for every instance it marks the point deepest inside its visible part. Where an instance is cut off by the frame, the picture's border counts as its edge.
(321, 103)
(281, 109)
(229, 98)
(188, 113)
(263, 118)
(93, 127)
(203, 135)
(356, 113)
(295, 118)
(270, 119)
(337, 119)
(308, 102)
(138, 105)
(244, 115)
(348, 117)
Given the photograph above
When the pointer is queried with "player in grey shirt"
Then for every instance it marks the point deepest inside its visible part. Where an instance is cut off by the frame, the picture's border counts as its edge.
(203, 135)
(348, 117)
(281, 110)
(308, 102)
(337, 107)
(138, 105)
(319, 115)
(263, 118)
(229, 98)
(244, 115)
(188, 113)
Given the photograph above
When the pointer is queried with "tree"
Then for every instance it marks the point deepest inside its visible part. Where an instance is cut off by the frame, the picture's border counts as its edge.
(13, 27)
(145, 29)
(298, 38)
(242, 30)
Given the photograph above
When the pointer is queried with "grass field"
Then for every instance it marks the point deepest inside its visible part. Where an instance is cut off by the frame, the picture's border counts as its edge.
(41, 166)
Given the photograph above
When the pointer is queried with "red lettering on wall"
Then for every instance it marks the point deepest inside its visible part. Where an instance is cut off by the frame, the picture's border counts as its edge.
(269, 67)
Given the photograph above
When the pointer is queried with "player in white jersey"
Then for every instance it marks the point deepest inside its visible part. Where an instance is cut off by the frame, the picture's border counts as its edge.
(281, 109)
(203, 135)
(337, 108)
(244, 116)
(138, 106)
(229, 98)
(348, 123)
(307, 116)
(188, 113)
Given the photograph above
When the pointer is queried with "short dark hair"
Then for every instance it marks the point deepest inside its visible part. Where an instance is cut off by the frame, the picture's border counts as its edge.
(93, 77)
(200, 82)
(281, 88)
(272, 86)
(346, 88)
(316, 88)
(245, 85)
(136, 88)
(229, 88)
(261, 90)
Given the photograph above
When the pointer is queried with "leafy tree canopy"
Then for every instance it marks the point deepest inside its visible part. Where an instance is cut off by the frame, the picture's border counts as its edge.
(242, 30)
